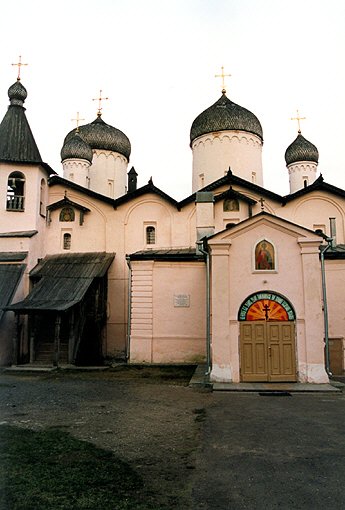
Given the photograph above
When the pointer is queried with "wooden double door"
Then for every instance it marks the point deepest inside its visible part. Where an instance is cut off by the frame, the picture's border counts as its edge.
(267, 351)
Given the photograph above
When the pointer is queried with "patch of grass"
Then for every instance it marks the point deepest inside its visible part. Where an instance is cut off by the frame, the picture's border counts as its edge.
(51, 470)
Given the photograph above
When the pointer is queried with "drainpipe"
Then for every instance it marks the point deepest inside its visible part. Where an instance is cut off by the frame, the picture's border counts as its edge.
(325, 309)
(129, 305)
(200, 248)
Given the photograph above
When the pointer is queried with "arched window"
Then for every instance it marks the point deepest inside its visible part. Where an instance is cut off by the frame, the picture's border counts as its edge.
(150, 235)
(264, 256)
(43, 198)
(67, 214)
(231, 204)
(67, 238)
(15, 192)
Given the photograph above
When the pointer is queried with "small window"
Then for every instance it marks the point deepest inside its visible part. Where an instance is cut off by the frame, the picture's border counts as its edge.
(150, 235)
(201, 180)
(67, 214)
(15, 192)
(110, 188)
(231, 204)
(43, 198)
(254, 177)
(67, 238)
(264, 256)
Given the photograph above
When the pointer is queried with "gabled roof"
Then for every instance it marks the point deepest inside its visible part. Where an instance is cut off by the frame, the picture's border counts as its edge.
(66, 202)
(148, 188)
(63, 281)
(231, 193)
(230, 178)
(57, 180)
(318, 185)
(264, 214)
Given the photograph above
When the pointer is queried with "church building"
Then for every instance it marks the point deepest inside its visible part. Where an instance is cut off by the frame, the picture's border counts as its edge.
(95, 269)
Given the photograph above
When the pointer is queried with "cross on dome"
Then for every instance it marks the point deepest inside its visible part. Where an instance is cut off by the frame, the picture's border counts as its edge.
(100, 99)
(19, 64)
(222, 76)
(298, 118)
(77, 120)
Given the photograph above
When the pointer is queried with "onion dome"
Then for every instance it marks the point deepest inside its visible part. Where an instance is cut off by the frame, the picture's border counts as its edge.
(99, 135)
(224, 115)
(301, 150)
(17, 93)
(76, 148)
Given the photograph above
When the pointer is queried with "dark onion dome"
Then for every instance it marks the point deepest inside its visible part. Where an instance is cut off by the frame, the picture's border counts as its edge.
(301, 150)
(100, 135)
(17, 93)
(224, 115)
(76, 148)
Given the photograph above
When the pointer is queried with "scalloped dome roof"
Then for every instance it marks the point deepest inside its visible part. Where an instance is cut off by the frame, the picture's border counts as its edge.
(100, 135)
(17, 93)
(301, 150)
(225, 115)
(76, 148)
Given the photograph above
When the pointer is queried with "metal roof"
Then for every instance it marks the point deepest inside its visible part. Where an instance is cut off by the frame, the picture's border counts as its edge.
(17, 142)
(10, 275)
(63, 281)
(22, 233)
(225, 115)
(13, 256)
(336, 252)
(178, 254)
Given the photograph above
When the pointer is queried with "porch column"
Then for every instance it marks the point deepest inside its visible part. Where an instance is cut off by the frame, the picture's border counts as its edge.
(312, 368)
(16, 339)
(57, 340)
(71, 338)
(220, 343)
(32, 330)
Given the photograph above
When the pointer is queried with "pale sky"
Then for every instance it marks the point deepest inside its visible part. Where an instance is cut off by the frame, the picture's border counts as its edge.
(156, 61)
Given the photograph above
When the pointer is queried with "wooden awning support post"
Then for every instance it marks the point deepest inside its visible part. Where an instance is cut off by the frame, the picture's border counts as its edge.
(32, 338)
(71, 338)
(16, 340)
(57, 340)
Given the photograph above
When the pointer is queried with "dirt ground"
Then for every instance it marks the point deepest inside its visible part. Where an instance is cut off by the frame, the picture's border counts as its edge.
(148, 417)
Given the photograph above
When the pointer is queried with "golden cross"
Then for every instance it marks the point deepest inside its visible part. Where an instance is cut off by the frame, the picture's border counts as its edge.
(298, 118)
(100, 99)
(19, 64)
(77, 119)
(222, 76)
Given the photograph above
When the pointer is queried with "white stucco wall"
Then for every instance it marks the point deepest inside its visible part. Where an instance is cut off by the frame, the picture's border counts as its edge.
(214, 153)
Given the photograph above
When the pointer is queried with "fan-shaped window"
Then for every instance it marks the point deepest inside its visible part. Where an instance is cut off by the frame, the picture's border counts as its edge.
(264, 256)
(231, 204)
(15, 192)
(150, 235)
(67, 214)
(67, 239)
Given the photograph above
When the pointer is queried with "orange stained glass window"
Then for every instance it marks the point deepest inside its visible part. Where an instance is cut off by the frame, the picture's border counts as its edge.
(266, 310)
